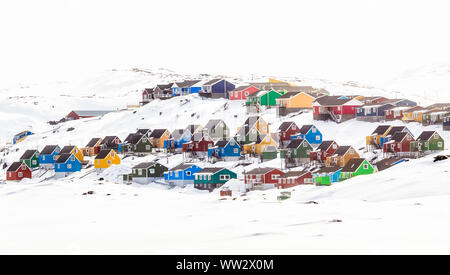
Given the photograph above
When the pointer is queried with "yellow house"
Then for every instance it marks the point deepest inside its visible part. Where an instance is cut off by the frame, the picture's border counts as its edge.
(73, 150)
(92, 148)
(106, 158)
(258, 146)
(408, 115)
(376, 137)
(296, 100)
(158, 136)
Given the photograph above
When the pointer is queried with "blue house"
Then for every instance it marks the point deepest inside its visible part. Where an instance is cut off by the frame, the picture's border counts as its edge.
(49, 155)
(67, 163)
(186, 87)
(227, 149)
(310, 133)
(217, 88)
(21, 136)
(179, 137)
(373, 111)
(181, 174)
(326, 175)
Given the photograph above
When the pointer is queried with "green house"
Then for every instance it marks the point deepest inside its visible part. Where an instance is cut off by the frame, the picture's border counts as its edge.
(296, 152)
(325, 176)
(146, 172)
(356, 167)
(31, 158)
(428, 141)
(136, 143)
(264, 98)
(269, 153)
(212, 177)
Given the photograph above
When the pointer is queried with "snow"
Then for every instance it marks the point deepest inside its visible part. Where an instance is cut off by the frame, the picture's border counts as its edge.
(397, 210)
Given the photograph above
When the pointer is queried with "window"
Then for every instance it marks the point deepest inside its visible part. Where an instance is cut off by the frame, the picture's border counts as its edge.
(69, 166)
(109, 162)
(236, 150)
(33, 162)
(72, 158)
(317, 137)
(188, 173)
(439, 144)
(55, 157)
(20, 174)
(314, 130)
(147, 147)
(140, 172)
(232, 142)
(366, 166)
(294, 127)
(224, 177)
(435, 136)
(304, 144)
(43, 157)
(144, 140)
(334, 146)
(275, 176)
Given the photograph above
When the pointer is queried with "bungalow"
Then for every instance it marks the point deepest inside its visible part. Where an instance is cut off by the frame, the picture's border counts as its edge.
(326, 149)
(74, 115)
(285, 131)
(72, 150)
(18, 171)
(257, 146)
(217, 88)
(414, 114)
(198, 145)
(136, 143)
(428, 142)
(296, 152)
(30, 158)
(148, 94)
(21, 136)
(49, 155)
(212, 177)
(446, 123)
(110, 142)
(378, 137)
(325, 176)
(294, 101)
(186, 87)
(242, 92)
(374, 99)
(356, 167)
(92, 148)
(434, 117)
(269, 152)
(182, 174)
(263, 98)
(158, 136)
(216, 129)
(336, 108)
(310, 133)
(395, 113)
(294, 178)
(226, 149)
(399, 144)
(342, 156)
(179, 137)
(373, 112)
(388, 162)
(163, 91)
(106, 158)
(67, 163)
(145, 172)
(262, 178)
(253, 127)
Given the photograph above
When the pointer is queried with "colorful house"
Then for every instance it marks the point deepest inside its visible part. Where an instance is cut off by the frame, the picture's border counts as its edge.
(446, 123)
(216, 129)
(373, 112)
(186, 87)
(356, 167)
(269, 152)
(257, 146)
(136, 143)
(158, 136)
(374, 99)
(285, 131)
(217, 88)
(395, 113)
(326, 149)
(399, 144)
(194, 128)
(106, 158)
(182, 174)
(263, 98)
(145, 172)
(413, 114)
(179, 137)
(336, 108)
(294, 178)
(428, 142)
(148, 94)
(73, 150)
(253, 128)
(295, 101)
(30, 158)
(92, 148)
(49, 155)
(262, 178)
(144, 131)
(242, 92)
(18, 171)
(226, 149)
(74, 115)
(212, 177)
(378, 137)
(198, 146)
(310, 133)
(296, 152)
(342, 156)
(21, 136)
(162, 91)
(434, 117)
(110, 142)
(67, 163)
(325, 176)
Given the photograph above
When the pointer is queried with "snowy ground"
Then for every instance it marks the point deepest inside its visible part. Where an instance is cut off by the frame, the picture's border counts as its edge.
(404, 209)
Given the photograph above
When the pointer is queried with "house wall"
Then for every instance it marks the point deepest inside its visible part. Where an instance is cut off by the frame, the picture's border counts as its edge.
(298, 181)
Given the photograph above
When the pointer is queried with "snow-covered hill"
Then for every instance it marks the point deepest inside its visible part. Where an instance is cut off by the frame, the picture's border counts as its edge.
(394, 211)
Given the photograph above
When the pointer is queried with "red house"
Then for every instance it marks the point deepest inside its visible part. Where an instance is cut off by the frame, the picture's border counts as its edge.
(399, 144)
(199, 144)
(325, 149)
(18, 171)
(294, 178)
(395, 113)
(74, 115)
(241, 92)
(337, 108)
(262, 178)
(286, 130)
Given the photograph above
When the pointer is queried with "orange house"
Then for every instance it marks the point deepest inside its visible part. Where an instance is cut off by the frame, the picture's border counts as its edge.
(296, 100)
(158, 136)
(342, 155)
(106, 158)
(258, 146)
(92, 148)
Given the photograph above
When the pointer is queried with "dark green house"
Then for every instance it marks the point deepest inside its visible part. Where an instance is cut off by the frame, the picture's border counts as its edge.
(427, 142)
(136, 143)
(31, 158)
(212, 177)
(356, 167)
(296, 152)
(145, 172)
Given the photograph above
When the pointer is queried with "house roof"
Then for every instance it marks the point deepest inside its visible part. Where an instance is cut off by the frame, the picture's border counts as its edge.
(396, 129)
(67, 149)
(285, 126)
(92, 142)
(133, 138)
(380, 130)
(426, 135)
(103, 153)
(149, 90)
(157, 133)
(341, 150)
(14, 166)
(241, 88)
(144, 165)
(212, 81)
(212, 123)
(29, 154)
(260, 171)
(63, 158)
(325, 145)
(326, 170)
(165, 86)
(91, 113)
(210, 170)
(305, 129)
(187, 83)
(109, 140)
(182, 166)
(293, 174)
(193, 127)
(332, 100)
(222, 142)
(177, 133)
(386, 163)
(295, 143)
(439, 105)
(49, 149)
(290, 94)
(142, 131)
(353, 165)
(398, 136)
